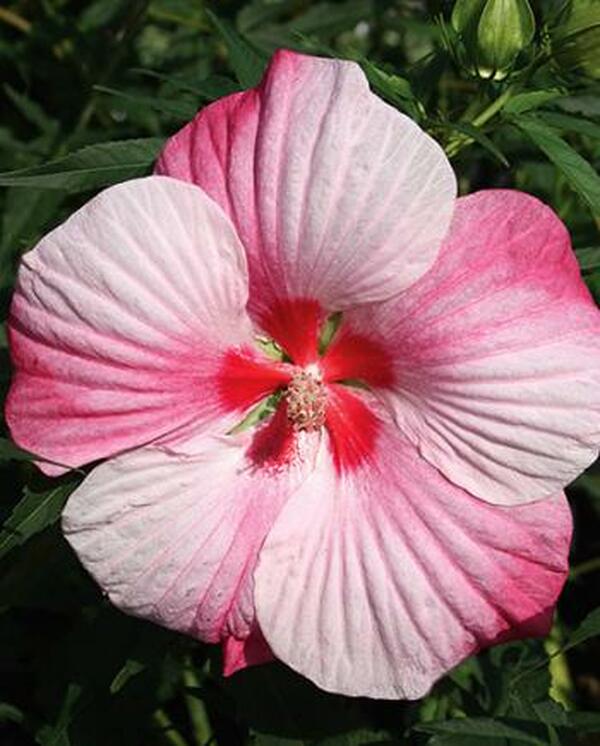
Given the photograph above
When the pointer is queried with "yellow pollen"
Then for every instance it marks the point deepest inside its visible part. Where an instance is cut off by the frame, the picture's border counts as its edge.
(306, 399)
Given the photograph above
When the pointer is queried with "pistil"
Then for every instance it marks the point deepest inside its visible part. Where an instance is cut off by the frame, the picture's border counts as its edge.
(307, 399)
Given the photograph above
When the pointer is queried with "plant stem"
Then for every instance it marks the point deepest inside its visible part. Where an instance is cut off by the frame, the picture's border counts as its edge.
(199, 719)
(561, 689)
(167, 729)
(16, 21)
(457, 143)
(496, 105)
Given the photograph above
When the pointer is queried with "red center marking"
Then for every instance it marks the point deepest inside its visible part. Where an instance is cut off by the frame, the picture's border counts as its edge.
(245, 379)
(310, 402)
(274, 441)
(352, 427)
(356, 357)
(295, 324)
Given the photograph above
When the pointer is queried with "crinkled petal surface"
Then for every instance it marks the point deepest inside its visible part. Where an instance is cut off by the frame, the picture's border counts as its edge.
(171, 534)
(336, 196)
(378, 582)
(496, 353)
(119, 321)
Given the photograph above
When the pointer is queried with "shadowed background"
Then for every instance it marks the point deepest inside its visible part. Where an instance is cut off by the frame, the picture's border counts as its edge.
(89, 93)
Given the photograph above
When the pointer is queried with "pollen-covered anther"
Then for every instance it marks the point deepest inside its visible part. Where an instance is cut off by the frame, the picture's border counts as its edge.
(306, 400)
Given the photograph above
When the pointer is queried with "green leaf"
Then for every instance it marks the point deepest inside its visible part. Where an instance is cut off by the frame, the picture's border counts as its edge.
(32, 111)
(131, 668)
(585, 722)
(10, 713)
(446, 740)
(393, 88)
(588, 105)
(553, 737)
(32, 514)
(190, 15)
(588, 482)
(99, 13)
(91, 651)
(569, 123)
(11, 452)
(476, 134)
(580, 174)
(255, 14)
(522, 102)
(588, 258)
(57, 734)
(362, 737)
(10, 144)
(482, 728)
(211, 88)
(550, 713)
(554, 716)
(590, 627)
(91, 167)
(26, 212)
(329, 18)
(177, 109)
(247, 63)
(274, 700)
(266, 739)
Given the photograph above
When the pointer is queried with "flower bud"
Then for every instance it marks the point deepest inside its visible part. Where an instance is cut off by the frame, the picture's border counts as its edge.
(493, 33)
(576, 37)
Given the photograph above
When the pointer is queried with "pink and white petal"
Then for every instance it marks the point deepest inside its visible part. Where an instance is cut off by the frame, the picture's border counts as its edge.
(240, 654)
(496, 353)
(377, 583)
(120, 319)
(336, 196)
(171, 534)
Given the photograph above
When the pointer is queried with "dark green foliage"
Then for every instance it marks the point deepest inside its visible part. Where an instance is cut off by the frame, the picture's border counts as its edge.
(89, 93)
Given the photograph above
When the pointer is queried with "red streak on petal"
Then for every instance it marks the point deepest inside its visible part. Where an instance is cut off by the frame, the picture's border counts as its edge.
(352, 426)
(294, 324)
(354, 356)
(274, 443)
(252, 651)
(244, 379)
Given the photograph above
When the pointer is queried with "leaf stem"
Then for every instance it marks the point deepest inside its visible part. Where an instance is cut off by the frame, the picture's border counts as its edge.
(456, 144)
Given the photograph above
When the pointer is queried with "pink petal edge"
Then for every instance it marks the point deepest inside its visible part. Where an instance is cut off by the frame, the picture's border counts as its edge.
(240, 654)
(172, 533)
(496, 353)
(336, 196)
(378, 583)
(119, 322)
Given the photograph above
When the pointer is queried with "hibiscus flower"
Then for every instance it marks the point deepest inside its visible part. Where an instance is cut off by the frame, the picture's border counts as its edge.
(417, 378)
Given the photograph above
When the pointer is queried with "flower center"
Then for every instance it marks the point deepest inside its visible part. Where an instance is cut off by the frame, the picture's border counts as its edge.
(307, 399)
